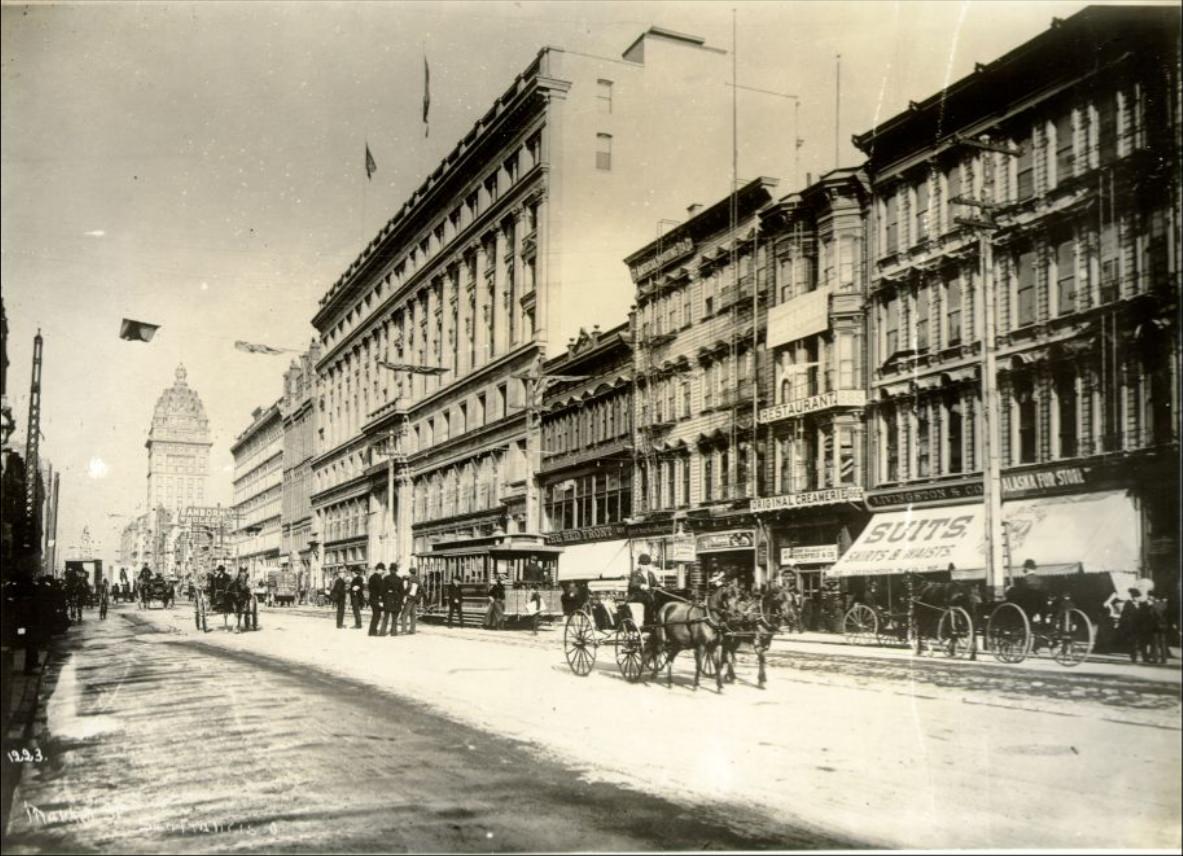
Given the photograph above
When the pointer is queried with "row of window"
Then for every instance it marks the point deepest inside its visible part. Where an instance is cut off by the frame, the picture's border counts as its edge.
(345, 520)
(593, 422)
(805, 264)
(817, 454)
(817, 364)
(596, 499)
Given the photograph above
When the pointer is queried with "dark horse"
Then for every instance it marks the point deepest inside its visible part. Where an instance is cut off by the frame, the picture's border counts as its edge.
(755, 618)
(683, 626)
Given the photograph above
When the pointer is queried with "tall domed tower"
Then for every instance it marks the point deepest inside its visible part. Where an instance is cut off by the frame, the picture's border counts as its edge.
(178, 448)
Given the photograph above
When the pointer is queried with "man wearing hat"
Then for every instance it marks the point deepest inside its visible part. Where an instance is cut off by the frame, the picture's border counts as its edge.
(392, 600)
(377, 583)
(641, 584)
(338, 597)
(410, 602)
(357, 595)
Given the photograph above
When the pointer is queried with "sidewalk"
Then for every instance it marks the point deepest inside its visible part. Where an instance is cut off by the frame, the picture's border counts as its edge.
(809, 643)
(21, 694)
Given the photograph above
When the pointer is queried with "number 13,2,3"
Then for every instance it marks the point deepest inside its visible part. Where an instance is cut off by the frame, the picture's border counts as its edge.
(24, 756)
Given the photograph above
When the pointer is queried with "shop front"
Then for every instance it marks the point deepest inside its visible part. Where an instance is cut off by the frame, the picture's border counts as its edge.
(731, 553)
(592, 553)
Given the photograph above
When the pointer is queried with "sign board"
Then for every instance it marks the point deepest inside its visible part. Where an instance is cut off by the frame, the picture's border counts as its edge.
(682, 549)
(655, 262)
(196, 515)
(736, 539)
(849, 493)
(917, 541)
(797, 318)
(815, 554)
(920, 496)
(587, 533)
(814, 403)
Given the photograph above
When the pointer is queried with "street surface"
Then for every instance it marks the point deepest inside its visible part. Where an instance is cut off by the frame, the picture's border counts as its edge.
(304, 738)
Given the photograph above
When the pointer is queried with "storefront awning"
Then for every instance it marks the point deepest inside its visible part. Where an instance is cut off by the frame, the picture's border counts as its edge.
(597, 560)
(1092, 532)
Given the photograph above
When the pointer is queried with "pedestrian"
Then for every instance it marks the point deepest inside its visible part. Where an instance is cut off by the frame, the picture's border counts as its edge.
(1144, 624)
(1127, 626)
(410, 603)
(392, 600)
(104, 594)
(495, 613)
(377, 584)
(1158, 646)
(337, 595)
(357, 595)
(534, 608)
(455, 602)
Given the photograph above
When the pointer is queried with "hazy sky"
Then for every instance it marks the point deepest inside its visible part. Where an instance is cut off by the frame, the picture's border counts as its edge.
(200, 166)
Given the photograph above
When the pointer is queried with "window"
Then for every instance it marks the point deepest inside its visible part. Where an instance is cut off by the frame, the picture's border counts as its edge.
(953, 434)
(847, 376)
(891, 326)
(511, 169)
(685, 399)
(892, 220)
(1025, 416)
(604, 96)
(1064, 158)
(534, 148)
(708, 476)
(604, 151)
(491, 187)
(1065, 388)
(953, 310)
(846, 447)
(1109, 262)
(891, 445)
(472, 206)
(1065, 275)
(923, 439)
(1026, 165)
(921, 211)
(1107, 129)
(847, 263)
(1025, 288)
(953, 191)
(922, 318)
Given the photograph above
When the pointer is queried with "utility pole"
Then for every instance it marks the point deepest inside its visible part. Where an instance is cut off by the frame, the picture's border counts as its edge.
(32, 458)
(985, 225)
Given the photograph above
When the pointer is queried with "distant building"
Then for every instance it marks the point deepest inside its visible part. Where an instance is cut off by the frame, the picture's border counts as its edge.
(258, 492)
(1081, 170)
(508, 249)
(300, 546)
(178, 448)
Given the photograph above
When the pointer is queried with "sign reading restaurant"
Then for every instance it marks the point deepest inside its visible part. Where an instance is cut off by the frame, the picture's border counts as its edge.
(680, 248)
(833, 495)
(834, 398)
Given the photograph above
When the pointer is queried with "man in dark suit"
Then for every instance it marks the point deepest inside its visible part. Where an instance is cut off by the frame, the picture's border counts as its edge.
(377, 583)
(392, 600)
(455, 602)
(357, 595)
(338, 596)
(641, 584)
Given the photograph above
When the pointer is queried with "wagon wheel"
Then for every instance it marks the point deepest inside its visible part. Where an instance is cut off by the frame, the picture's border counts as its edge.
(630, 654)
(860, 625)
(1074, 638)
(955, 632)
(579, 643)
(1009, 633)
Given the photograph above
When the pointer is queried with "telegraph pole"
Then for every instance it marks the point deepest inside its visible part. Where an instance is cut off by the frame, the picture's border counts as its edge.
(32, 459)
(985, 225)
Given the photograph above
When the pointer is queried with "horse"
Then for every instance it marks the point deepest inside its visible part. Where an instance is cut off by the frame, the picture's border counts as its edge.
(685, 626)
(756, 618)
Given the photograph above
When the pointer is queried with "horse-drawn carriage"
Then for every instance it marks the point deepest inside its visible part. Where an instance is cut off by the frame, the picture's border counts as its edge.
(714, 631)
(228, 596)
(932, 616)
(157, 590)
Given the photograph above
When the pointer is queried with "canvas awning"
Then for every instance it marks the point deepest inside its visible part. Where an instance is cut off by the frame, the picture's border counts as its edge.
(1090, 532)
(595, 560)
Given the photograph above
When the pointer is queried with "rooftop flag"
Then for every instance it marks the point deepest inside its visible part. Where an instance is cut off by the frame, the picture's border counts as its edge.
(137, 331)
(259, 349)
(371, 166)
(426, 96)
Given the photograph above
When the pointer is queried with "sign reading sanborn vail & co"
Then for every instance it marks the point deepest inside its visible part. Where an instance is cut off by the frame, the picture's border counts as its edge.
(675, 251)
(834, 398)
(831, 496)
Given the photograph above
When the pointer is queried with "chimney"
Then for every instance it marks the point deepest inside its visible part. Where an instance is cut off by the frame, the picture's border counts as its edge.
(693, 208)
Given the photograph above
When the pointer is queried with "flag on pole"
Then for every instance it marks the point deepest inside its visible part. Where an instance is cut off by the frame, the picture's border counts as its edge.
(371, 166)
(426, 96)
(258, 349)
(137, 331)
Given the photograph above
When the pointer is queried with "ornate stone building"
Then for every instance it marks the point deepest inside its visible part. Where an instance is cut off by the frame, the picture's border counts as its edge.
(178, 448)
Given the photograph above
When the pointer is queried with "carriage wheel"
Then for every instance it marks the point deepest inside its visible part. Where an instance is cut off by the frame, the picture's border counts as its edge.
(655, 657)
(860, 625)
(955, 632)
(1009, 633)
(630, 654)
(579, 643)
(1074, 638)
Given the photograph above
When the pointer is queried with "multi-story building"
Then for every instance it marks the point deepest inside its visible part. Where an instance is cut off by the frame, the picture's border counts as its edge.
(258, 491)
(697, 334)
(178, 448)
(813, 385)
(509, 247)
(1069, 148)
(585, 473)
(299, 447)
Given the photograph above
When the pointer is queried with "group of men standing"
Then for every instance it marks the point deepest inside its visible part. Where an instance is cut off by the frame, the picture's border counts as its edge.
(393, 597)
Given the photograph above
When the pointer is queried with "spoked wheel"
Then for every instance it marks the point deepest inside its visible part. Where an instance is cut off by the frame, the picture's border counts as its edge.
(1009, 633)
(579, 643)
(630, 654)
(1074, 638)
(860, 625)
(893, 633)
(955, 632)
(655, 657)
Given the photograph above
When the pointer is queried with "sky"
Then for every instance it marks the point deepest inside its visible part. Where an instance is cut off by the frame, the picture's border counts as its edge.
(201, 166)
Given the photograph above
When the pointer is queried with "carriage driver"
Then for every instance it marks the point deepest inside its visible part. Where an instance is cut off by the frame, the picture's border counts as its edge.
(641, 583)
